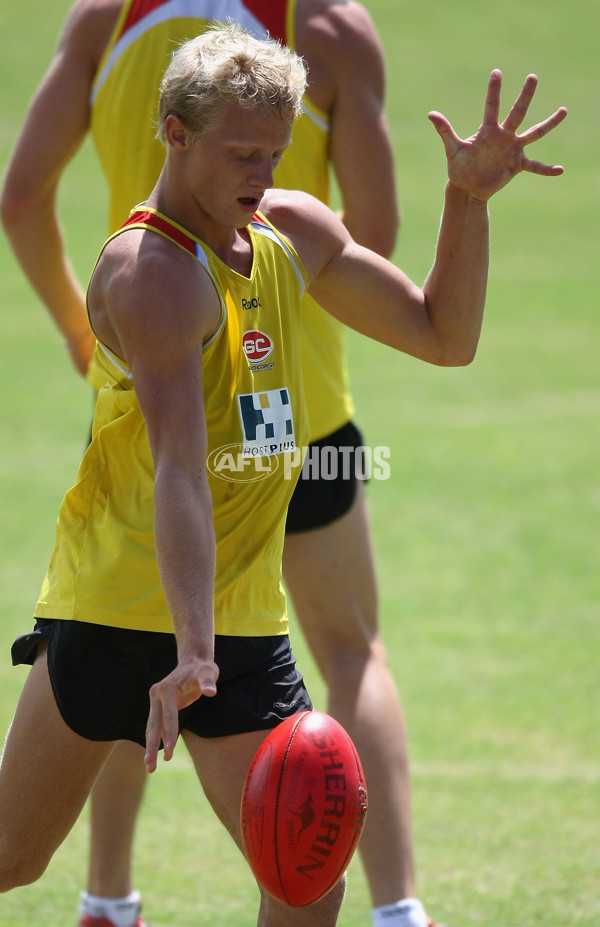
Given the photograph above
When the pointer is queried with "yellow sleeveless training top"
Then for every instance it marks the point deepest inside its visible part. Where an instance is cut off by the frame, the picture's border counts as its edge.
(124, 107)
(103, 569)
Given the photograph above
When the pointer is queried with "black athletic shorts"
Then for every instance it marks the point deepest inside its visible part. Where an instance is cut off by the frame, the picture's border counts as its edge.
(326, 488)
(101, 677)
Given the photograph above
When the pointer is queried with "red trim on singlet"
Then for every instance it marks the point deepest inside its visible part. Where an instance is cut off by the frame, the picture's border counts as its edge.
(271, 13)
(162, 225)
(137, 11)
(259, 220)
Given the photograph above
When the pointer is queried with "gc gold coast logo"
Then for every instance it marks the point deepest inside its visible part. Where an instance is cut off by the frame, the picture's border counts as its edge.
(232, 463)
(257, 346)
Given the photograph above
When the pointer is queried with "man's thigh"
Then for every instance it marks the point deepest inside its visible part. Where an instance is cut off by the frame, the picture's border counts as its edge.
(46, 774)
(222, 764)
(330, 575)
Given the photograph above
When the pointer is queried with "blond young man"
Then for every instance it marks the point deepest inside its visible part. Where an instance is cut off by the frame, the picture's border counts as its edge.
(104, 79)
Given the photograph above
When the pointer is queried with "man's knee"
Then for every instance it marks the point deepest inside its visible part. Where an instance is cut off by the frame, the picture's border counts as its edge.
(324, 912)
(18, 868)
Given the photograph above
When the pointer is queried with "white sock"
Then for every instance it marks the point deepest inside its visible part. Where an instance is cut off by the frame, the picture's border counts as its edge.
(408, 912)
(123, 912)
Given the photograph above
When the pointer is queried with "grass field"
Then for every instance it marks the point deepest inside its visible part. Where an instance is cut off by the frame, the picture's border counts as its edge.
(486, 533)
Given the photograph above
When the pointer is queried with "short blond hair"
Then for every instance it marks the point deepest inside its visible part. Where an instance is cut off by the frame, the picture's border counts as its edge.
(224, 65)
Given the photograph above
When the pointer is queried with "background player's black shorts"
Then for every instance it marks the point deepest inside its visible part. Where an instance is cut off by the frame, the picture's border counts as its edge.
(101, 677)
(327, 485)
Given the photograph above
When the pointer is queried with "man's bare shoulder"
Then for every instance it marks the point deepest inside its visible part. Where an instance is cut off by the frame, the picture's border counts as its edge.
(338, 40)
(89, 26)
(144, 283)
(94, 10)
(139, 261)
(293, 209)
(314, 230)
(336, 27)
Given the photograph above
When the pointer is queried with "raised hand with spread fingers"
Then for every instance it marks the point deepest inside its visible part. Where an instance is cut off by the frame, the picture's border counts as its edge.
(488, 160)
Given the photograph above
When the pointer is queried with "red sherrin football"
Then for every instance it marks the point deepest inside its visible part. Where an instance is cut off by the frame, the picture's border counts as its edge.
(303, 808)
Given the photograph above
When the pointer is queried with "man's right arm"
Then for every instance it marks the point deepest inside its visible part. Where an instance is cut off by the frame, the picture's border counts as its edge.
(154, 305)
(55, 125)
(347, 80)
(440, 322)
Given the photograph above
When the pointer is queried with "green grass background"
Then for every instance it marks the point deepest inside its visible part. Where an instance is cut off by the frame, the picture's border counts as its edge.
(486, 534)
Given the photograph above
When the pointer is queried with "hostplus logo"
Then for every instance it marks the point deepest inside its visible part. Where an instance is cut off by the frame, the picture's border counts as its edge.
(267, 422)
(268, 434)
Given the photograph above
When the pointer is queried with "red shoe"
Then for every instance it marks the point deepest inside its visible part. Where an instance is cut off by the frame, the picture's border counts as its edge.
(430, 923)
(88, 921)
